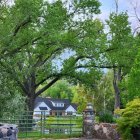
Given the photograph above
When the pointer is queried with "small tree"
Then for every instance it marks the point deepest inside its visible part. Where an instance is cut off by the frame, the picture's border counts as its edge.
(129, 119)
(104, 94)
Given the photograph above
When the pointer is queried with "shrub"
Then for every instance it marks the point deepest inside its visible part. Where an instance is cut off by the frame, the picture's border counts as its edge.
(97, 119)
(129, 119)
(106, 117)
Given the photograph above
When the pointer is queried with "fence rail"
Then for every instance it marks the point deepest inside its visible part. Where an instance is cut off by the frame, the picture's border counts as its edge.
(37, 124)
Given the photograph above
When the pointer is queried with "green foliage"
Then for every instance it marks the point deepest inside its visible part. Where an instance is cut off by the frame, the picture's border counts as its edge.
(121, 50)
(104, 94)
(129, 119)
(120, 40)
(35, 35)
(61, 90)
(90, 5)
(106, 117)
(130, 85)
(133, 81)
(10, 99)
(82, 95)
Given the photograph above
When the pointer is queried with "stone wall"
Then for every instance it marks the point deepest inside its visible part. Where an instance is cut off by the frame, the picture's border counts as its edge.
(8, 131)
(105, 131)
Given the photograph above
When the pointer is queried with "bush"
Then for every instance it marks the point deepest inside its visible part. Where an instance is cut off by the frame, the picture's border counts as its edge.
(106, 117)
(129, 119)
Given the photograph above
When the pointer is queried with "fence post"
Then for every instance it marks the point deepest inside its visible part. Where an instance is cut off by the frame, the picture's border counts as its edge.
(41, 123)
(57, 130)
(70, 125)
(44, 122)
(26, 121)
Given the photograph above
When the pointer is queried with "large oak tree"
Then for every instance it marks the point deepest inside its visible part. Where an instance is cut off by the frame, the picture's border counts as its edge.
(35, 35)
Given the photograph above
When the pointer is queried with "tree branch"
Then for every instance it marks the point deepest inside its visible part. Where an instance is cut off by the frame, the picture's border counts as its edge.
(22, 24)
(100, 66)
(135, 30)
(48, 77)
(41, 62)
(47, 86)
(136, 14)
(117, 7)
(12, 52)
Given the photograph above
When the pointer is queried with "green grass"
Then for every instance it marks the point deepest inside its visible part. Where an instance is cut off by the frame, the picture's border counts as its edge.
(29, 134)
(54, 136)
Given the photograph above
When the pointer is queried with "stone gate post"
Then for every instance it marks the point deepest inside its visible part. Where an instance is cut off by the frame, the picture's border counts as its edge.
(88, 121)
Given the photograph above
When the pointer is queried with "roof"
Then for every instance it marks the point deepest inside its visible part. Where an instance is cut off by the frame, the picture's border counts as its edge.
(48, 102)
(74, 106)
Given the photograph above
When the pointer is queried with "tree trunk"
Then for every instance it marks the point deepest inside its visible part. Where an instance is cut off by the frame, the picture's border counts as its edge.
(28, 115)
(116, 81)
(29, 89)
(117, 96)
(29, 85)
(30, 101)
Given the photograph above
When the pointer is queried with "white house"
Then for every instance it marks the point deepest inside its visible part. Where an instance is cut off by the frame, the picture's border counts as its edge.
(54, 107)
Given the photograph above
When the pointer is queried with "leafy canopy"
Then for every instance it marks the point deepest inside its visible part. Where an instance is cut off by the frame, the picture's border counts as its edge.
(35, 34)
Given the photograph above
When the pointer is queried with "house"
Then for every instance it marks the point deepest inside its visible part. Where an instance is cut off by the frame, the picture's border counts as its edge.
(54, 107)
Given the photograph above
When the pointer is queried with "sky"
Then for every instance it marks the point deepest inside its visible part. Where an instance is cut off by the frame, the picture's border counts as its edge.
(108, 6)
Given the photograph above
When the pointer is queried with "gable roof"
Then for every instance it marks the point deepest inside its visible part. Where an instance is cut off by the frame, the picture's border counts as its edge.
(74, 106)
(48, 102)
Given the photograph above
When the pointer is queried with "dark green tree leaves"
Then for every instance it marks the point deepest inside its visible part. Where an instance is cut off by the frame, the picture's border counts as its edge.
(35, 35)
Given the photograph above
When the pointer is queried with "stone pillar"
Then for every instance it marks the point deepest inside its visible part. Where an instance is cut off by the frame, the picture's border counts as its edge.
(88, 121)
(8, 131)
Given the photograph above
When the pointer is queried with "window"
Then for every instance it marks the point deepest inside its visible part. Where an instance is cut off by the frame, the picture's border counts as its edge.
(58, 104)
